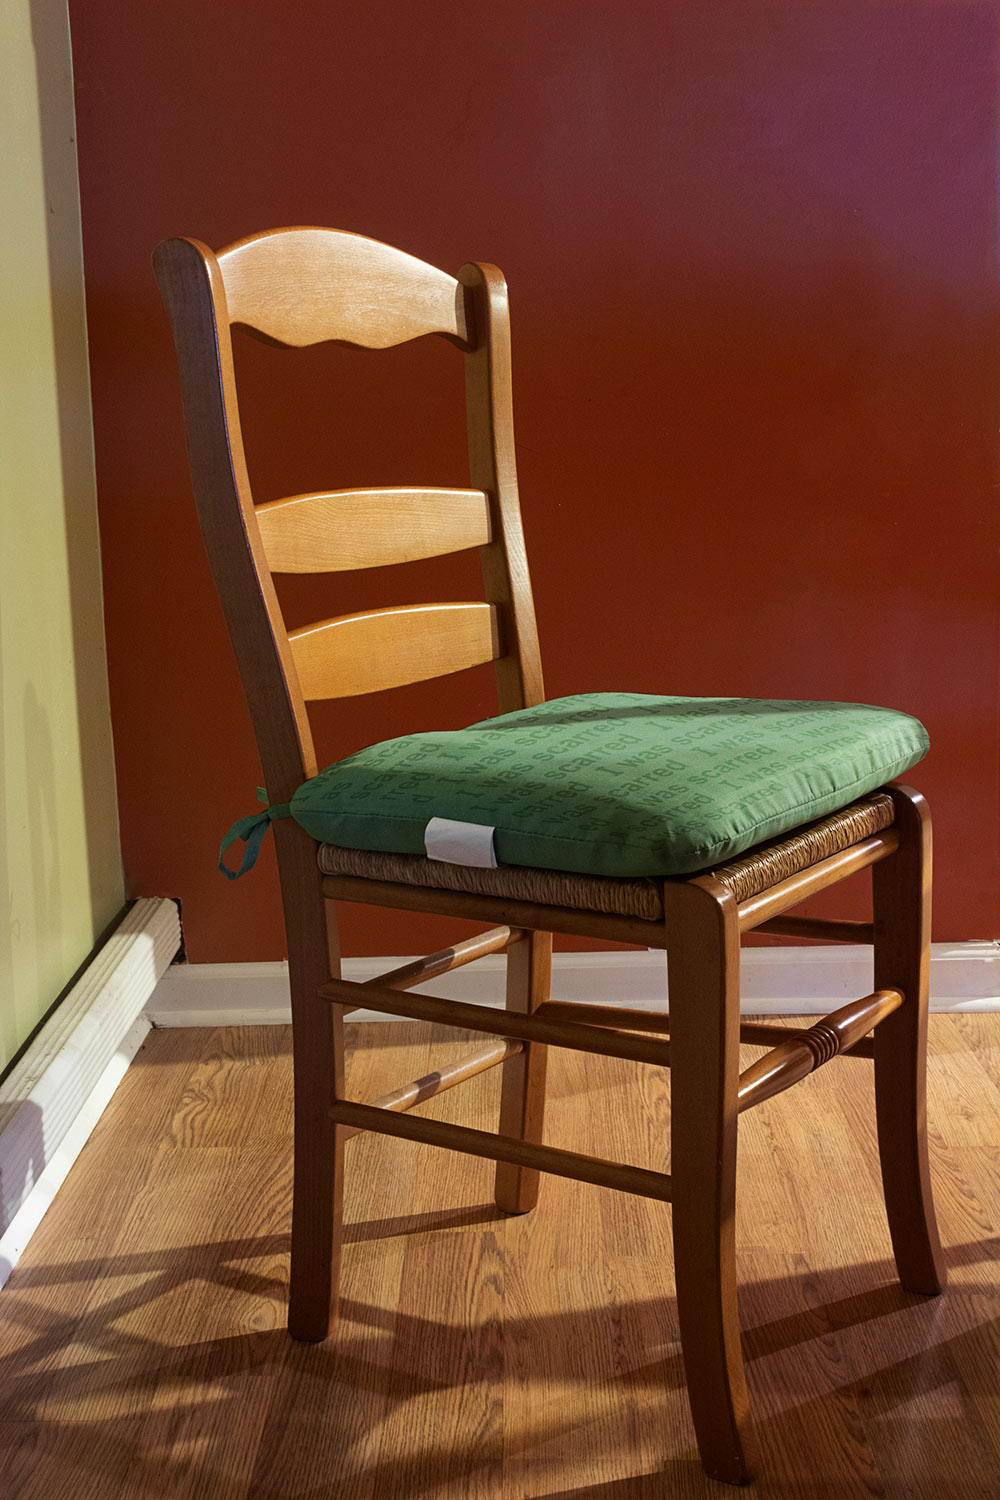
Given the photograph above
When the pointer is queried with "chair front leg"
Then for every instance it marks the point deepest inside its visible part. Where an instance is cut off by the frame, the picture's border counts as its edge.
(902, 906)
(318, 1062)
(522, 1099)
(704, 972)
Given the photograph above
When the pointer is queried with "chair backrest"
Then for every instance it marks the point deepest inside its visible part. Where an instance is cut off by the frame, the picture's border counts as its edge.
(304, 286)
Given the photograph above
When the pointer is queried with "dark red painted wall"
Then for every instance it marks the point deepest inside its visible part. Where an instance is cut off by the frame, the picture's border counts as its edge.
(751, 251)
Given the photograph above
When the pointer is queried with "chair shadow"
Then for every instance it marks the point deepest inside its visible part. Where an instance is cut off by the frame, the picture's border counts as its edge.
(409, 1356)
(402, 1224)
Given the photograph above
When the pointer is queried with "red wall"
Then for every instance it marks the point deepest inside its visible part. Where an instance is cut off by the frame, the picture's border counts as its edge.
(751, 252)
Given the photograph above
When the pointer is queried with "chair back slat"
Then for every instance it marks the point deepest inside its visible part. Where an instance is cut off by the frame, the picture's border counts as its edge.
(305, 286)
(339, 530)
(386, 648)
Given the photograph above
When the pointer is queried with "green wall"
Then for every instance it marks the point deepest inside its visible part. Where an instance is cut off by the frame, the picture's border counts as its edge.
(60, 862)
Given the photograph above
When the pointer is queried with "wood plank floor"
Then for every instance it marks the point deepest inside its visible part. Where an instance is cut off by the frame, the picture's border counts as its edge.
(143, 1354)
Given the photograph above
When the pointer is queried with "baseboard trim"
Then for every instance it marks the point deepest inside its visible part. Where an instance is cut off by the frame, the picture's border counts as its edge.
(776, 981)
(53, 1098)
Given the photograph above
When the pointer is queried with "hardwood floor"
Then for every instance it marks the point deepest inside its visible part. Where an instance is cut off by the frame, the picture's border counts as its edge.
(143, 1352)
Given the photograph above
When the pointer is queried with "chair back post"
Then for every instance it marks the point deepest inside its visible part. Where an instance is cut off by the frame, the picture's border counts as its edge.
(192, 287)
(492, 468)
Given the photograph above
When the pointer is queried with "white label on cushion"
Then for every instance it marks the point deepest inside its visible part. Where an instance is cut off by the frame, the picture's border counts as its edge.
(460, 843)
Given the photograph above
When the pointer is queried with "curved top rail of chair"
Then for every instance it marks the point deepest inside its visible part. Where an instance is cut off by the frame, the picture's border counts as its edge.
(307, 285)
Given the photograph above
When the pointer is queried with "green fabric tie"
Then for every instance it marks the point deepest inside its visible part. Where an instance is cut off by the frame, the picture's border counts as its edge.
(251, 830)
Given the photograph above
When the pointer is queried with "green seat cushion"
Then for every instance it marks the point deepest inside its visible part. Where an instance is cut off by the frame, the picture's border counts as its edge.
(615, 783)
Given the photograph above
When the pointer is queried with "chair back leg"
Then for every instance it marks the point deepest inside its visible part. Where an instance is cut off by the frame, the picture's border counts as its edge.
(902, 901)
(318, 1062)
(522, 1099)
(704, 973)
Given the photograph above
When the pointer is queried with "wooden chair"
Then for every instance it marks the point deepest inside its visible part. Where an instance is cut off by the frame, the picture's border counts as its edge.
(302, 286)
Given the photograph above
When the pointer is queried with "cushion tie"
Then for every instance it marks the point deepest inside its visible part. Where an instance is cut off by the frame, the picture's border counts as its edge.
(251, 830)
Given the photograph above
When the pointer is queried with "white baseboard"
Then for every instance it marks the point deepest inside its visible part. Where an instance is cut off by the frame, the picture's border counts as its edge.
(53, 1098)
(776, 981)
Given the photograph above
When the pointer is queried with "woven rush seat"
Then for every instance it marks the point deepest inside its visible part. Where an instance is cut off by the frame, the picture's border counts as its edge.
(607, 893)
(643, 898)
(770, 863)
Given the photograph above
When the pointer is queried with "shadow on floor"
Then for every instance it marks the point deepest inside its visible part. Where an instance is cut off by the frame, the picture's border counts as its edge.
(254, 1401)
